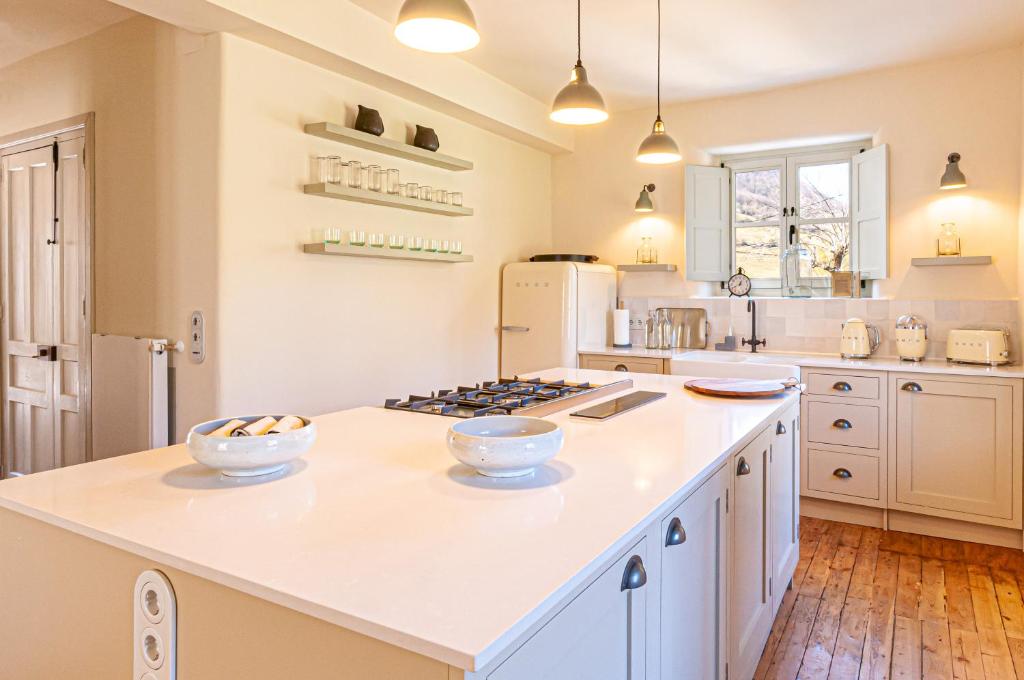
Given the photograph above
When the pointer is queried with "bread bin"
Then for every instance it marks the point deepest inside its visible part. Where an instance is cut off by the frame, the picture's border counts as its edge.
(859, 340)
(911, 338)
(978, 346)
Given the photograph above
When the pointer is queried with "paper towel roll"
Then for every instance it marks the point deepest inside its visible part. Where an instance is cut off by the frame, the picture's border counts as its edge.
(620, 327)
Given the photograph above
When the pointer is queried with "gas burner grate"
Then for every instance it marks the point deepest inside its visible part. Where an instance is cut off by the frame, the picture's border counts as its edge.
(506, 397)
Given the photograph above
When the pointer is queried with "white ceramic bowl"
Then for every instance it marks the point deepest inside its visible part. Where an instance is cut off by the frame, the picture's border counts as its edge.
(504, 446)
(249, 456)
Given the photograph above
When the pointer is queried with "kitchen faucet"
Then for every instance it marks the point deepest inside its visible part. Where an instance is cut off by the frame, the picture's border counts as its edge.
(753, 341)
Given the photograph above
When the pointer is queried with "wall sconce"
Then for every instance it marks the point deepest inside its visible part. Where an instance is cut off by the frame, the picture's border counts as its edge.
(953, 178)
(644, 204)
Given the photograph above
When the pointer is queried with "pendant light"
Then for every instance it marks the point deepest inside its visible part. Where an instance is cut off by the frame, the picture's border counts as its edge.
(579, 102)
(437, 26)
(658, 148)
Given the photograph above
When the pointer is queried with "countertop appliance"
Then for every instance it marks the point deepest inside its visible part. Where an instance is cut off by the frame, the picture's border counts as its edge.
(911, 338)
(508, 397)
(978, 346)
(550, 309)
(859, 339)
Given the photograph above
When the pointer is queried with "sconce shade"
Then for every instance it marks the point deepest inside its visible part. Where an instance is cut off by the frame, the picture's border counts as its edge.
(644, 204)
(442, 26)
(953, 177)
(579, 102)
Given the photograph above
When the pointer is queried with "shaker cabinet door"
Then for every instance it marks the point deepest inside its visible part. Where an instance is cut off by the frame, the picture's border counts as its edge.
(957, 449)
(694, 582)
(601, 633)
(750, 606)
(785, 503)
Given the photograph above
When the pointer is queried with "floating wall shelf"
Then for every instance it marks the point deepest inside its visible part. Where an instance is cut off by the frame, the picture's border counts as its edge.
(382, 253)
(646, 267)
(950, 261)
(364, 140)
(379, 198)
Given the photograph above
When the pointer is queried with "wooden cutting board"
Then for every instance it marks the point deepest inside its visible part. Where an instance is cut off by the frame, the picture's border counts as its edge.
(737, 387)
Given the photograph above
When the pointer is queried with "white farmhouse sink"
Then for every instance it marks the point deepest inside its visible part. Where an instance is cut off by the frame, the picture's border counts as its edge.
(707, 364)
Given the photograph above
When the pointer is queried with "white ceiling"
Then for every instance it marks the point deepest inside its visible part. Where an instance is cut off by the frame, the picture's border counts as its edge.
(31, 26)
(718, 47)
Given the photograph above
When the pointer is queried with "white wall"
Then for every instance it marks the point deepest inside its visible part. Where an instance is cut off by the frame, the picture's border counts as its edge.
(924, 111)
(312, 333)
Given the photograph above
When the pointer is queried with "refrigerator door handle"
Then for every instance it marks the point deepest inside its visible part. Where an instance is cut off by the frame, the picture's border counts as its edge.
(516, 329)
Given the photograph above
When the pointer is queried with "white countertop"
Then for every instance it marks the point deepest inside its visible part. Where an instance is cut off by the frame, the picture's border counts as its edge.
(379, 530)
(831, 361)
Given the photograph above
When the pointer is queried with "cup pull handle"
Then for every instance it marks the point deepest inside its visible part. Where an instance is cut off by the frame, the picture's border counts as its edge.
(743, 468)
(911, 387)
(842, 473)
(635, 575)
(842, 386)
(622, 367)
(676, 533)
(780, 428)
(843, 424)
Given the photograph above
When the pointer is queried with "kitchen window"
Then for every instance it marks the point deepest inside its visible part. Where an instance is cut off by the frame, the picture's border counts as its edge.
(798, 198)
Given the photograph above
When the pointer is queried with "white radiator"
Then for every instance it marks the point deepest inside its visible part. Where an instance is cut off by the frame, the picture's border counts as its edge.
(130, 395)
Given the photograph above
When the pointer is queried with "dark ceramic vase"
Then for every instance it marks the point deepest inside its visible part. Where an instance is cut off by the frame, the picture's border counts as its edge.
(426, 138)
(368, 120)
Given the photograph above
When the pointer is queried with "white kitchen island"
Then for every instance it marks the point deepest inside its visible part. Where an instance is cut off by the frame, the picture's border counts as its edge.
(420, 567)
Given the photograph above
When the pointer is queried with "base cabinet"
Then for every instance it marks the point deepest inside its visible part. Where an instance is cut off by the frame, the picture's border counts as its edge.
(750, 609)
(601, 633)
(694, 584)
(784, 483)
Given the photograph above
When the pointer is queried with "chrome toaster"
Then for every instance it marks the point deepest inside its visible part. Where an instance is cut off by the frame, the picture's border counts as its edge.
(978, 346)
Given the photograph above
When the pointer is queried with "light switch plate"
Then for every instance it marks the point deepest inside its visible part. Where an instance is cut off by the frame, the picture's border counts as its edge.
(197, 337)
(154, 633)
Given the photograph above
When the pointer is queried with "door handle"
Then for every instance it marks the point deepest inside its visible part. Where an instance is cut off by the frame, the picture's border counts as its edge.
(911, 387)
(676, 533)
(842, 386)
(842, 473)
(743, 468)
(635, 575)
(516, 329)
(843, 424)
(780, 428)
(46, 352)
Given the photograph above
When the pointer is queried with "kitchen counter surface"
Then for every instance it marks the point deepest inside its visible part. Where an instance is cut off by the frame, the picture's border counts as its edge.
(828, 361)
(379, 530)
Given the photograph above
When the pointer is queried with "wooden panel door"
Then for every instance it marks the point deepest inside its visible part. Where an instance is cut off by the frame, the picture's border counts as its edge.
(957, 449)
(750, 608)
(70, 377)
(28, 322)
(600, 634)
(785, 503)
(694, 584)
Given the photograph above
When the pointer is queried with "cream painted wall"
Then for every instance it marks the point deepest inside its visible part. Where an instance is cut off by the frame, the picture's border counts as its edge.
(155, 92)
(971, 105)
(312, 333)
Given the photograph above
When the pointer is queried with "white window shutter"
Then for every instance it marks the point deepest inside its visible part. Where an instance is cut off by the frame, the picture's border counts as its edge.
(708, 232)
(870, 209)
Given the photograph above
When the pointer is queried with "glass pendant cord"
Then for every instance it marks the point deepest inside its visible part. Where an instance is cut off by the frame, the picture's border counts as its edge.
(579, 31)
(659, 59)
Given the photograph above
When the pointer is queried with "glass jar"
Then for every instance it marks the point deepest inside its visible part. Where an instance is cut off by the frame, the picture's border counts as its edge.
(949, 240)
(646, 253)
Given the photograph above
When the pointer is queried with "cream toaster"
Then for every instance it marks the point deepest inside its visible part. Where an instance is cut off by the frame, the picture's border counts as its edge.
(977, 346)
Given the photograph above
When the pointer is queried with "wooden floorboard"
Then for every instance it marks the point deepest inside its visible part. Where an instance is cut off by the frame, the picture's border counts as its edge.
(868, 604)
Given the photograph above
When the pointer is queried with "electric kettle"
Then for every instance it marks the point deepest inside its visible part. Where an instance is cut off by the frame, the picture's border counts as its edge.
(859, 340)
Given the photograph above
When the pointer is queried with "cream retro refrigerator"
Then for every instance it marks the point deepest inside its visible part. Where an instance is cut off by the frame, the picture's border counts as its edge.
(549, 310)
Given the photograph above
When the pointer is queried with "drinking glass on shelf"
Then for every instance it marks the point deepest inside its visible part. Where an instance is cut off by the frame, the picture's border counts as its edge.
(332, 235)
(440, 196)
(412, 190)
(456, 248)
(377, 240)
(445, 245)
(391, 184)
(323, 169)
(337, 170)
(415, 243)
(396, 241)
(455, 198)
(432, 246)
(357, 238)
(426, 193)
(373, 177)
(355, 174)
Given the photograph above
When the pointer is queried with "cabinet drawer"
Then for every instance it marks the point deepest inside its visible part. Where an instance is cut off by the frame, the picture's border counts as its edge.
(631, 364)
(843, 424)
(837, 385)
(849, 474)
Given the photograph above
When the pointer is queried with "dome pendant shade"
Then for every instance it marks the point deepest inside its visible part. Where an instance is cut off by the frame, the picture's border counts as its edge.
(443, 26)
(579, 102)
(658, 148)
(953, 177)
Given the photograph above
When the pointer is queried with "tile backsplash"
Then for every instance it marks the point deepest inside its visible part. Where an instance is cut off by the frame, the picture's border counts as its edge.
(814, 325)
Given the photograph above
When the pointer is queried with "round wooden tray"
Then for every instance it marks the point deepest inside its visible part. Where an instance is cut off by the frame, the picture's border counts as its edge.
(738, 387)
